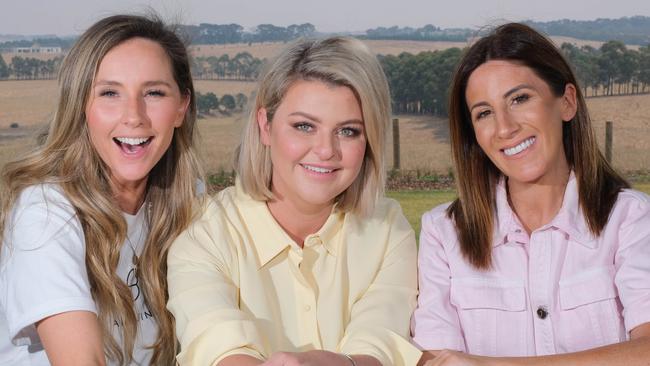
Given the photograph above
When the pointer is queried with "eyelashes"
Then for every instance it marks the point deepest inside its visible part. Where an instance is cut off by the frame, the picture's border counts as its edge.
(517, 99)
(345, 131)
(113, 93)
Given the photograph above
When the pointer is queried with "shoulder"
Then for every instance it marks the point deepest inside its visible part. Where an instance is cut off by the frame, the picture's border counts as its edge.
(42, 206)
(631, 206)
(437, 226)
(437, 218)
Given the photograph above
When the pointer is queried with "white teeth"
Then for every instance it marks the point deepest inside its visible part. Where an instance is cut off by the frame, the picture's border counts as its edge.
(132, 140)
(519, 148)
(317, 169)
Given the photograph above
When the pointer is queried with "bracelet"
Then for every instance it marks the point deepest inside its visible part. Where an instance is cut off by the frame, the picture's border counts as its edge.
(350, 358)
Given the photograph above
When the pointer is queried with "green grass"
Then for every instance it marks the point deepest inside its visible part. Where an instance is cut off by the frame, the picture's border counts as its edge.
(416, 203)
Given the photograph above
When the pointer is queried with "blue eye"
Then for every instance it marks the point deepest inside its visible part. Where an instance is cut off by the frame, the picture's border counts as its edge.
(303, 126)
(156, 93)
(108, 93)
(349, 132)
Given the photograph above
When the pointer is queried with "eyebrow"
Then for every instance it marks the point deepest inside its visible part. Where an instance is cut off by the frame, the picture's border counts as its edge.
(146, 84)
(316, 119)
(505, 95)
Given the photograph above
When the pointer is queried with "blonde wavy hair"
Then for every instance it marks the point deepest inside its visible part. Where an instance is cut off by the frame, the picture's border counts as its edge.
(67, 158)
(339, 61)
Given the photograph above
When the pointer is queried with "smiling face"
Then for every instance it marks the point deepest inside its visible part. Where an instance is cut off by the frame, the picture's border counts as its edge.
(133, 108)
(317, 143)
(518, 121)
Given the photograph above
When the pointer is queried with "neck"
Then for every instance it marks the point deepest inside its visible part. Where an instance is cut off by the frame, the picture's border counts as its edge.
(130, 195)
(297, 220)
(537, 203)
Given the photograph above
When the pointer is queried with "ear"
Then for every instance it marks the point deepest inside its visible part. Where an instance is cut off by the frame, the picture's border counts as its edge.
(569, 103)
(265, 126)
(182, 109)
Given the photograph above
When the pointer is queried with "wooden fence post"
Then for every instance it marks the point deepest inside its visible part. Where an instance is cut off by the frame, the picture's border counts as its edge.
(609, 132)
(396, 162)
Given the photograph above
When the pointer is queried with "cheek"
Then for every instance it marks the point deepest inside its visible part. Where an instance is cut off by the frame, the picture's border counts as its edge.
(354, 152)
(164, 115)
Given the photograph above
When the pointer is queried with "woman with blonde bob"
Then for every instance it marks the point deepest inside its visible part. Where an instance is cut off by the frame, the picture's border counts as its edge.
(87, 219)
(544, 258)
(302, 262)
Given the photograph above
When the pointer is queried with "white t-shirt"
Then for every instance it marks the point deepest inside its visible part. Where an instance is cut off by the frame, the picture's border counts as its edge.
(43, 272)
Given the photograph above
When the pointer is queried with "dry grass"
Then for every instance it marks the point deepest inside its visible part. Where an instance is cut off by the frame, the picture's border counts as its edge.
(27, 102)
(424, 139)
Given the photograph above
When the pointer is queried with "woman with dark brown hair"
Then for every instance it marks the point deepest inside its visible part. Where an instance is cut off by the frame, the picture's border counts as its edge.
(544, 258)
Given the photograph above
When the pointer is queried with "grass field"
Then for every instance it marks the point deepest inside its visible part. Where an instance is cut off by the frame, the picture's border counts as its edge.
(382, 47)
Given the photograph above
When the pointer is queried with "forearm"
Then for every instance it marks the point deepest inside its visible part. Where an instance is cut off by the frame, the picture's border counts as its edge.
(631, 353)
(363, 360)
(240, 360)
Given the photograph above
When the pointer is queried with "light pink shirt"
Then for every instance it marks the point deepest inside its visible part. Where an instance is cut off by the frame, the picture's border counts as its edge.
(558, 290)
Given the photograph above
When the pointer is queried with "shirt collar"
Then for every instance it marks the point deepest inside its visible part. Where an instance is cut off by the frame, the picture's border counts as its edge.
(569, 219)
(268, 236)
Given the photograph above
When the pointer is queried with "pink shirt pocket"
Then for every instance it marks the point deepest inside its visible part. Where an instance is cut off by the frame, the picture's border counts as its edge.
(492, 314)
(589, 313)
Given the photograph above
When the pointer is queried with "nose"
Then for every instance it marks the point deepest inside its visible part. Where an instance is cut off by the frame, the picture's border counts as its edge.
(327, 146)
(506, 125)
(135, 111)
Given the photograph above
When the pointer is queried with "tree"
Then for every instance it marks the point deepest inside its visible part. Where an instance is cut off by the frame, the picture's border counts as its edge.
(241, 100)
(228, 102)
(205, 103)
(4, 69)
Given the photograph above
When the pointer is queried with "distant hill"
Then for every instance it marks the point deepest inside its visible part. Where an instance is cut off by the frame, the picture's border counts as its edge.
(630, 30)
(633, 30)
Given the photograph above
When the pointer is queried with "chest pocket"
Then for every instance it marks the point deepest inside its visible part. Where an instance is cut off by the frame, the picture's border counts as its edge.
(492, 313)
(590, 311)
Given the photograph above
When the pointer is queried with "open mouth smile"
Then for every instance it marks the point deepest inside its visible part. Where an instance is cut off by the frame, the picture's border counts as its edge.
(132, 145)
(520, 147)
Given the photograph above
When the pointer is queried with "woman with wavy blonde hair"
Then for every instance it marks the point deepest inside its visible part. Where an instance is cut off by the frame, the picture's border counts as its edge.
(87, 218)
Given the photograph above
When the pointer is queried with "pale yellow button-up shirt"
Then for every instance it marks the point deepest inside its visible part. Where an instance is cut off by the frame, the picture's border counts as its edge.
(239, 285)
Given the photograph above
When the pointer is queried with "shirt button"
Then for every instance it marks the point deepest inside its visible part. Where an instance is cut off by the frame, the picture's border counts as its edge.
(307, 307)
(542, 313)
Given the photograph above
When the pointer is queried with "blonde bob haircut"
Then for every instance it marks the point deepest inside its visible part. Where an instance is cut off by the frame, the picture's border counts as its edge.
(338, 61)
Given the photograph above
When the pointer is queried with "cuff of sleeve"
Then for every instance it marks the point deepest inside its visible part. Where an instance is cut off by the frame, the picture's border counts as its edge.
(384, 345)
(635, 318)
(42, 311)
(437, 341)
(219, 341)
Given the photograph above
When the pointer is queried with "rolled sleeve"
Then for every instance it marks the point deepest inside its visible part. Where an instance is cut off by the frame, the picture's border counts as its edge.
(632, 259)
(204, 295)
(435, 324)
(380, 318)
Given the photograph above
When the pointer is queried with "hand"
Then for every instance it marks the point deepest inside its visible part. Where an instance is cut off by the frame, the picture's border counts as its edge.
(309, 358)
(454, 358)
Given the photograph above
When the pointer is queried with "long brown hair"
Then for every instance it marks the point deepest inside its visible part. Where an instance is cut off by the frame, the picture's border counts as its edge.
(477, 177)
(67, 158)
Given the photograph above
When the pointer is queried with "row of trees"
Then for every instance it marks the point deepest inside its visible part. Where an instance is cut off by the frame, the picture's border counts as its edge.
(611, 69)
(427, 33)
(29, 68)
(209, 103)
(206, 33)
(241, 67)
(630, 30)
(419, 82)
